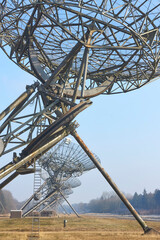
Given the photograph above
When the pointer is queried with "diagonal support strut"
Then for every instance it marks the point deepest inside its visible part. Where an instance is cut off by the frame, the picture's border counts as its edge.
(112, 184)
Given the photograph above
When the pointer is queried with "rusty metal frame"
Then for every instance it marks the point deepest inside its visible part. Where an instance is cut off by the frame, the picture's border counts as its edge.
(77, 49)
(44, 141)
(112, 64)
(111, 182)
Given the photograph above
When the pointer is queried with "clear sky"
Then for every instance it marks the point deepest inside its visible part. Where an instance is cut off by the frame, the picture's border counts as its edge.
(123, 130)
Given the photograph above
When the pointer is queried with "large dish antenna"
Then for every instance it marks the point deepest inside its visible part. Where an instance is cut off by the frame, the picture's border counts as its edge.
(77, 50)
(83, 48)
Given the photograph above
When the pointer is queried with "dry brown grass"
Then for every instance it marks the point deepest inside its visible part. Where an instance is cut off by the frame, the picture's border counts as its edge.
(84, 228)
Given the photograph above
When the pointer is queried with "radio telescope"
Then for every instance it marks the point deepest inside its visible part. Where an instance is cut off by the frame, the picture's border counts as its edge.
(66, 159)
(77, 50)
(83, 48)
(61, 166)
(50, 193)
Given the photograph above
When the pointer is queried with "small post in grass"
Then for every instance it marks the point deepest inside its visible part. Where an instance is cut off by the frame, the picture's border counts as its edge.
(65, 223)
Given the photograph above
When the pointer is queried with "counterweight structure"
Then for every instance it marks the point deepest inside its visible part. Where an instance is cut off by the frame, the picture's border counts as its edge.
(76, 50)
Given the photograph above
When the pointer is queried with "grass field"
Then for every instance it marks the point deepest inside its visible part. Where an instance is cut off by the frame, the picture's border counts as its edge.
(84, 228)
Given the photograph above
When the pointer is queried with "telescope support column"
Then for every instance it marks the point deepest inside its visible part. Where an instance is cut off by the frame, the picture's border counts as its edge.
(112, 184)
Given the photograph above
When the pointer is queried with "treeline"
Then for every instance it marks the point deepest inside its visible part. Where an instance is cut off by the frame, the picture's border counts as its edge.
(7, 202)
(145, 203)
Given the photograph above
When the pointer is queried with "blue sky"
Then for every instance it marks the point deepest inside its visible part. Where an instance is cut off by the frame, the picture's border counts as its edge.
(123, 130)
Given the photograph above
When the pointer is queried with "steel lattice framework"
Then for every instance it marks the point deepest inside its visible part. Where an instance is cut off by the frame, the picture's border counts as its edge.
(76, 50)
(83, 48)
(50, 193)
(66, 159)
(61, 167)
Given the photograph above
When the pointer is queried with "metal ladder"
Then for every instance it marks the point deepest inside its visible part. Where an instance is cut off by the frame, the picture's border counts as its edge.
(35, 219)
(36, 186)
(2, 209)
